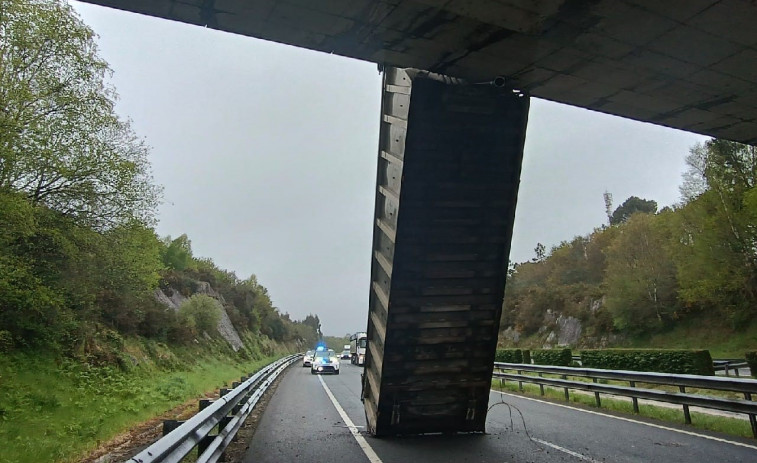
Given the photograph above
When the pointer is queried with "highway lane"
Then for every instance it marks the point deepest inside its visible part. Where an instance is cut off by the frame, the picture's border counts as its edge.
(301, 423)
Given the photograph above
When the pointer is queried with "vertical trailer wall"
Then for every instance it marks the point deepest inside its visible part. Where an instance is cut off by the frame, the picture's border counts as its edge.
(449, 167)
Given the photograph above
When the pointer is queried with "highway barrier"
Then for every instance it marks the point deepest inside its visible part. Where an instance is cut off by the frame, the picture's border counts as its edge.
(525, 373)
(228, 413)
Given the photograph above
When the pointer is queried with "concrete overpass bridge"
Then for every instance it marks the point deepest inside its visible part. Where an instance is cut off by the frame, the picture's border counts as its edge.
(451, 144)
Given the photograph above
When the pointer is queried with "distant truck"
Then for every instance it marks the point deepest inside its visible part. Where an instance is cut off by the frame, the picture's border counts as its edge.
(358, 343)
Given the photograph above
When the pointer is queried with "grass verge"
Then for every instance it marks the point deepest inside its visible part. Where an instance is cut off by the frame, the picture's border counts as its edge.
(57, 410)
(703, 421)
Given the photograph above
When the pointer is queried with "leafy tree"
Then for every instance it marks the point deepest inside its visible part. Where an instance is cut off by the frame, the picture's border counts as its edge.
(716, 254)
(631, 206)
(61, 142)
(641, 280)
(313, 322)
(177, 253)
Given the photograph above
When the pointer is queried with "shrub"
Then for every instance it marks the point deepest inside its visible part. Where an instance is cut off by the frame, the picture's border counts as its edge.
(693, 362)
(200, 313)
(512, 356)
(751, 360)
(560, 357)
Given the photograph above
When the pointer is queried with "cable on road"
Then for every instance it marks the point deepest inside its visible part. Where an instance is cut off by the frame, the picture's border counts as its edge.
(510, 408)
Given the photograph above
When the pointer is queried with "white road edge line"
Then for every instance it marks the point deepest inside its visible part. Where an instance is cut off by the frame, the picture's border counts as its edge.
(364, 446)
(564, 450)
(680, 431)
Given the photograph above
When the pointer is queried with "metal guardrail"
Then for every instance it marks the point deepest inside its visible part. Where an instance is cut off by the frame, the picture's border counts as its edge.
(745, 386)
(729, 365)
(228, 412)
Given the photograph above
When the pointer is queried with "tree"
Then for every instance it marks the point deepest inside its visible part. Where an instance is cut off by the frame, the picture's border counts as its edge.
(716, 253)
(640, 280)
(61, 142)
(313, 322)
(631, 206)
(177, 253)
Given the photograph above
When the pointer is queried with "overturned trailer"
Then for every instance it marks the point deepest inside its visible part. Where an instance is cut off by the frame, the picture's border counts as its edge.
(448, 172)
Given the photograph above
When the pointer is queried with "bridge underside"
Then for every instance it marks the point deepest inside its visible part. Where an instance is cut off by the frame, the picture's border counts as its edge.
(448, 174)
(687, 64)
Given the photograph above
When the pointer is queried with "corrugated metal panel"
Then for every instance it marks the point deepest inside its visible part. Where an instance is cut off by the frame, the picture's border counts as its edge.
(448, 173)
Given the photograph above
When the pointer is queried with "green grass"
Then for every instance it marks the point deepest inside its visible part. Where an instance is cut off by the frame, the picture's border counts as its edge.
(57, 410)
(704, 421)
(713, 335)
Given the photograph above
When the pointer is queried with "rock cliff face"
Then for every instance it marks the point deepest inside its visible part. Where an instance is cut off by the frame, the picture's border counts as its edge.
(225, 328)
(560, 330)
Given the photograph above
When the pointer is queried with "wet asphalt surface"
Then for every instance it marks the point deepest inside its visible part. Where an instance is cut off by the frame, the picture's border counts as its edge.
(301, 424)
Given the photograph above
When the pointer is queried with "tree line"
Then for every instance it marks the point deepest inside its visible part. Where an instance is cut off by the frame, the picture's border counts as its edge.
(648, 270)
(79, 257)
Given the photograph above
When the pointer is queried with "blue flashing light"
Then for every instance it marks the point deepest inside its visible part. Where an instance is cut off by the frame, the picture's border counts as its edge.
(320, 348)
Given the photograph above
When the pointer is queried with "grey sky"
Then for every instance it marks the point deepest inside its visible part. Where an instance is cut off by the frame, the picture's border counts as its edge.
(268, 155)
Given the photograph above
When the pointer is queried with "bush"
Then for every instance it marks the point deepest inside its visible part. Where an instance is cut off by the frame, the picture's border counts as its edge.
(200, 313)
(560, 357)
(512, 356)
(693, 362)
(751, 360)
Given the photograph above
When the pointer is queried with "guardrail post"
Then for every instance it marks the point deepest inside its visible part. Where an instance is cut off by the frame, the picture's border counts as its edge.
(520, 383)
(752, 418)
(170, 425)
(204, 403)
(596, 395)
(634, 399)
(725, 369)
(223, 422)
(205, 443)
(567, 395)
(223, 391)
(686, 414)
(541, 386)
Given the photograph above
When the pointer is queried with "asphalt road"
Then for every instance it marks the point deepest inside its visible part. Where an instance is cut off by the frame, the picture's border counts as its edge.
(302, 423)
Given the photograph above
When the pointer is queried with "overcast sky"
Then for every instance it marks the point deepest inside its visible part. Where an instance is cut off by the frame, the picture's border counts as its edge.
(267, 154)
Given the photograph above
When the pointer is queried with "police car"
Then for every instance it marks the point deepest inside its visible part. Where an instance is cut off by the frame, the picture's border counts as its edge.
(324, 361)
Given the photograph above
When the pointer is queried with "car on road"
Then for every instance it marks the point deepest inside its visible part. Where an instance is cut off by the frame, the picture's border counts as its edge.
(346, 353)
(307, 359)
(325, 361)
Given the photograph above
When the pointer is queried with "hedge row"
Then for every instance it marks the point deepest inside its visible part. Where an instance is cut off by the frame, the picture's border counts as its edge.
(751, 360)
(693, 362)
(513, 356)
(561, 357)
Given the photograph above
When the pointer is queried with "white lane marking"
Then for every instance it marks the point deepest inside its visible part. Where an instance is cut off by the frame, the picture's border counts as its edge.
(680, 431)
(367, 449)
(564, 450)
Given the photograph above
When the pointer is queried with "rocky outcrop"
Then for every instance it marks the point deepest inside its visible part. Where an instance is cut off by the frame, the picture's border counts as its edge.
(568, 331)
(174, 299)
